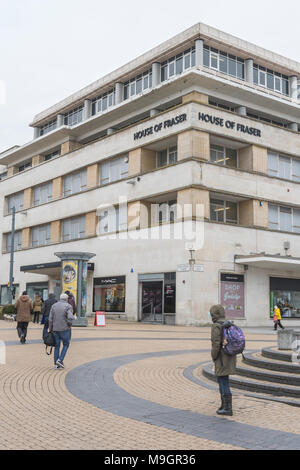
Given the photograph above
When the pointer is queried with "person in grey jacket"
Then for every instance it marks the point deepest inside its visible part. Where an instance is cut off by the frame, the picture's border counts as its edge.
(60, 323)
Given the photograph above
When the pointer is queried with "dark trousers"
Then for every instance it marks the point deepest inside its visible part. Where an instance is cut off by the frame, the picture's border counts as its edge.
(46, 327)
(22, 328)
(224, 385)
(278, 323)
(36, 317)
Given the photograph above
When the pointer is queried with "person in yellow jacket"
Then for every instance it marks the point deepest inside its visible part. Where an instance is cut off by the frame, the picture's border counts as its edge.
(277, 318)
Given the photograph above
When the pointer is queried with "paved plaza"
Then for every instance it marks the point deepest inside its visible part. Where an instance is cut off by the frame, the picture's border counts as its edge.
(132, 386)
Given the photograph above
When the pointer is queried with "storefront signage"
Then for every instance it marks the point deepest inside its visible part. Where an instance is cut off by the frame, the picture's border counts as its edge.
(109, 281)
(232, 295)
(160, 126)
(184, 268)
(228, 124)
(198, 268)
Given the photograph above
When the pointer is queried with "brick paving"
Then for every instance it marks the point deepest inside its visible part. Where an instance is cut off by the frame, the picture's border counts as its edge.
(139, 366)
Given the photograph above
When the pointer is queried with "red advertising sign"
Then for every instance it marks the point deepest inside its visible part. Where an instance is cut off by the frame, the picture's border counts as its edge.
(233, 295)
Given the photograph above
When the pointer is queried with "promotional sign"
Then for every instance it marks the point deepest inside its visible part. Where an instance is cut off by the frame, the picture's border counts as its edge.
(70, 277)
(232, 295)
(100, 319)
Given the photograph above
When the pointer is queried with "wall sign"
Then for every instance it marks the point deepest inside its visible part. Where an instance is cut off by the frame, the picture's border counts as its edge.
(232, 295)
(109, 281)
(232, 125)
(160, 126)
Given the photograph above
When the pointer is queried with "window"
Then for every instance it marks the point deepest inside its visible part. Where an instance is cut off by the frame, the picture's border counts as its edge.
(164, 212)
(73, 117)
(17, 241)
(223, 156)
(285, 219)
(3, 175)
(223, 211)
(166, 157)
(73, 229)
(103, 102)
(284, 167)
(49, 127)
(24, 166)
(272, 80)
(114, 170)
(51, 155)
(138, 85)
(223, 62)
(42, 194)
(41, 235)
(113, 219)
(16, 201)
(109, 294)
(270, 119)
(75, 183)
(178, 64)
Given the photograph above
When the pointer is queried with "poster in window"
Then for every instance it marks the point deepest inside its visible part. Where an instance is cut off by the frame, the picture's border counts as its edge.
(232, 295)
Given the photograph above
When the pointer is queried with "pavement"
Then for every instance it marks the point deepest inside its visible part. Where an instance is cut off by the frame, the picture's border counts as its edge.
(131, 386)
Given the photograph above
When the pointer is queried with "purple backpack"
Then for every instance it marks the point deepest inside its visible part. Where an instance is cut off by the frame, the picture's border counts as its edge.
(235, 339)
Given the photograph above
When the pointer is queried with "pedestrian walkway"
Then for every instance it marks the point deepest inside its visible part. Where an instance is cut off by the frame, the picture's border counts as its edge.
(131, 386)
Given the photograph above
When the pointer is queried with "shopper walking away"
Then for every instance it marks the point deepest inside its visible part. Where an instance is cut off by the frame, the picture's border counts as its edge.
(46, 312)
(225, 365)
(71, 300)
(37, 308)
(24, 308)
(60, 322)
(277, 318)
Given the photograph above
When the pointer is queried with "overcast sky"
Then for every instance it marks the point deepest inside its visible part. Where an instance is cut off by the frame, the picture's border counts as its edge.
(52, 48)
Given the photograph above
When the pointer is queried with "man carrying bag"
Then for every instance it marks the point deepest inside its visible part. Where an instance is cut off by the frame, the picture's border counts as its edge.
(60, 323)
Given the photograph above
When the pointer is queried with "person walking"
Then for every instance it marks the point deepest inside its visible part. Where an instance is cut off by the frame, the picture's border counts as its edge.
(47, 305)
(37, 308)
(60, 323)
(24, 308)
(225, 365)
(277, 318)
(71, 300)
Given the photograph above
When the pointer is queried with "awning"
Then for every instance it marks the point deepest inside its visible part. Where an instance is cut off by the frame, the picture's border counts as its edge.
(271, 262)
(49, 269)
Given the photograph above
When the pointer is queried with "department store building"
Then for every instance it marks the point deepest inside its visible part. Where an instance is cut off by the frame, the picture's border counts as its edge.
(203, 120)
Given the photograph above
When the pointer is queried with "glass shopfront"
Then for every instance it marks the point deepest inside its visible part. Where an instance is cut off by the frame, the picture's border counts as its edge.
(5, 294)
(39, 288)
(157, 294)
(285, 293)
(109, 294)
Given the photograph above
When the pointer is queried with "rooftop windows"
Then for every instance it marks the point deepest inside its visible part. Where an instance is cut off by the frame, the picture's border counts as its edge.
(223, 62)
(178, 64)
(138, 84)
(50, 126)
(272, 80)
(103, 102)
(73, 117)
(24, 166)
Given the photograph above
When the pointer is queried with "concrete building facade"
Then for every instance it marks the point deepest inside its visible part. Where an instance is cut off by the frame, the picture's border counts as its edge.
(202, 133)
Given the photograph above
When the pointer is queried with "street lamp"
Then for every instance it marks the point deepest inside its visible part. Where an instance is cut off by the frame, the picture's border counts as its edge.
(12, 251)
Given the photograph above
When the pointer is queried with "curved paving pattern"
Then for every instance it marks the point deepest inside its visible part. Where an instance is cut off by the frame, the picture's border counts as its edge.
(95, 384)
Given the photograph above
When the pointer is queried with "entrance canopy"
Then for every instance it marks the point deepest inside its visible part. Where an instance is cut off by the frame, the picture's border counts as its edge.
(48, 269)
(271, 262)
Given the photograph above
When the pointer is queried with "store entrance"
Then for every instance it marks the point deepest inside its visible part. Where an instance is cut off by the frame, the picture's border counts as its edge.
(151, 296)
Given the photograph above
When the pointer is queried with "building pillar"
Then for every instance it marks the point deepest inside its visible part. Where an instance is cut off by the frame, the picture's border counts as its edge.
(91, 224)
(199, 43)
(37, 160)
(56, 231)
(92, 176)
(36, 132)
(293, 86)
(242, 110)
(28, 193)
(195, 97)
(156, 74)
(60, 120)
(193, 203)
(12, 170)
(26, 242)
(87, 110)
(141, 160)
(253, 213)
(249, 70)
(293, 126)
(193, 143)
(119, 91)
(57, 188)
(69, 146)
(253, 158)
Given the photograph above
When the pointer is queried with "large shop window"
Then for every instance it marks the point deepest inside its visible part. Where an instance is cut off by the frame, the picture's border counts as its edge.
(109, 294)
(285, 293)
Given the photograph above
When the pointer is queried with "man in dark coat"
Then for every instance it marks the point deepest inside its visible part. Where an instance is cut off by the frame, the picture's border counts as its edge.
(225, 365)
(24, 308)
(46, 312)
(71, 301)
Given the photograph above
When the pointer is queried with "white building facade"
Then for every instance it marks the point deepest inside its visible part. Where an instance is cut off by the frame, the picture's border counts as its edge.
(202, 129)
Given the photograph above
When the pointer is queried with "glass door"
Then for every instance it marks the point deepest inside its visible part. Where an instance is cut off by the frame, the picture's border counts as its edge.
(151, 301)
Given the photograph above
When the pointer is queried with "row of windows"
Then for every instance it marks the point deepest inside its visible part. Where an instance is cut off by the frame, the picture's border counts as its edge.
(103, 102)
(223, 62)
(271, 80)
(49, 127)
(73, 117)
(138, 84)
(178, 64)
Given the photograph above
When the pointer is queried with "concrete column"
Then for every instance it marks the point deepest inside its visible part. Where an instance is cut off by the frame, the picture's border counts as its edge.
(60, 120)
(90, 224)
(36, 132)
(199, 43)
(293, 126)
(55, 231)
(195, 97)
(28, 193)
(253, 213)
(141, 161)
(12, 170)
(57, 188)
(156, 74)
(87, 110)
(92, 176)
(37, 160)
(249, 70)
(69, 146)
(189, 201)
(242, 110)
(193, 143)
(119, 92)
(26, 238)
(254, 158)
(293, 85)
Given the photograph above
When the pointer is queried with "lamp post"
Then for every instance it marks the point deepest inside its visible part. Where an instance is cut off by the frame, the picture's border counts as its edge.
(12, 252)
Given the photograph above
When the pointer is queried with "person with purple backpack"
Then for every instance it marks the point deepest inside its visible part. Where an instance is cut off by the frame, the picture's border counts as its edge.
(227, 341)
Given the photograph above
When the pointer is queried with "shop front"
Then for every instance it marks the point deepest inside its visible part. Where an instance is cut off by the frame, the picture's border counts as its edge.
(157, 298)
(109, 294)
(285, 293)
